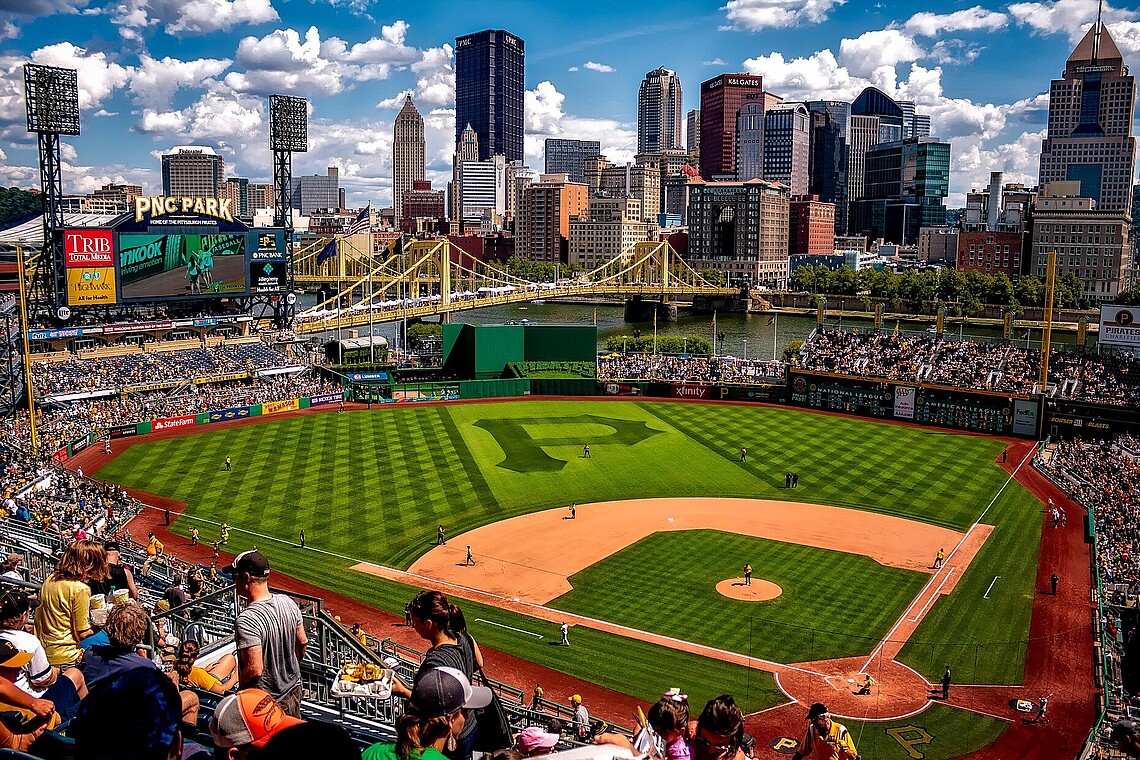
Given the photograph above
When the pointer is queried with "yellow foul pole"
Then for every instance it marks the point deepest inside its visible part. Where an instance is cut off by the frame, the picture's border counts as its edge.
(27, 349)
(1047, 331)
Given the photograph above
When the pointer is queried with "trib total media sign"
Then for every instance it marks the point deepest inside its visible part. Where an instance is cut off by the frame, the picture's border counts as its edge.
(89, 260)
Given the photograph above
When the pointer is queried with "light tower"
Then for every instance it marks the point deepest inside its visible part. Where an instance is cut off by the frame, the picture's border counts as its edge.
(288, 134)
(52, 96)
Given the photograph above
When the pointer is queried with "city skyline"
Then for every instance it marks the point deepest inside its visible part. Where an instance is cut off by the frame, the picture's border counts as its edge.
(152, 79)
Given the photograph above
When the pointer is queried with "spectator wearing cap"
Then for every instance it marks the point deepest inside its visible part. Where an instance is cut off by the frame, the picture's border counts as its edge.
(12, 567)
(132, 715)
(37, 676)
(581, 718)
(63, 618)
(243, 723)
(825, 739)
(434, 717)
(720, 731)
(269, 634)
(535, 741)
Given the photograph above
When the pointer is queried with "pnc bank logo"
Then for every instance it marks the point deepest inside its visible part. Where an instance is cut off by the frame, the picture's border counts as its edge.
(87, 248)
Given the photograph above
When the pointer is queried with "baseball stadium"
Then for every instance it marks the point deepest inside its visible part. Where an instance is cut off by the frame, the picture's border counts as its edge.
(921, 539)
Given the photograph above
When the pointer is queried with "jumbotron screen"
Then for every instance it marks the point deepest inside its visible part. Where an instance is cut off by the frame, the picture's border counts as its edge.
(181, 266)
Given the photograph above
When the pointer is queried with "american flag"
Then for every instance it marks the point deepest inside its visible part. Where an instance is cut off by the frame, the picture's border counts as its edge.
(362, 222)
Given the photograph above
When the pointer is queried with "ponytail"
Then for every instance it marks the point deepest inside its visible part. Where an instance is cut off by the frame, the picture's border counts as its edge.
(414, 734)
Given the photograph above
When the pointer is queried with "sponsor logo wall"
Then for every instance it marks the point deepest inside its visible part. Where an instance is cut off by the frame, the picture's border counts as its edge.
(904, 402)
(170, 423)
(691, 391)
(225, 415)
(1119, 325)
(91, 286)
(327, 398)
(87, 248)
(275, 407)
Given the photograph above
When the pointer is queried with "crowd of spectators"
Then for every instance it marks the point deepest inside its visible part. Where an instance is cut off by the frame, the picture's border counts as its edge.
(60, 423)
(1004, 367)
(75, 375)
(690, 369)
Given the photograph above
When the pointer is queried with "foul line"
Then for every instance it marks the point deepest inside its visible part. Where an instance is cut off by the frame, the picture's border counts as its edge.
(988, 590)
(918, 615)
(509, 628)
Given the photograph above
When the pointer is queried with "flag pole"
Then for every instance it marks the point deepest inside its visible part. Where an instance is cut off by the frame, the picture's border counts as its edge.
(714, 333)
(654, 330)
(775, 330)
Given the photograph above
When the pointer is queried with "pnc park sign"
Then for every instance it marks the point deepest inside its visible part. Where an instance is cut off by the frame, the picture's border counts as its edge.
(159, 205)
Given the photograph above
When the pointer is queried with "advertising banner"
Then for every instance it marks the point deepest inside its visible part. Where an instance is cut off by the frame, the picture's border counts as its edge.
(87, 248)
(225, 415)
(70, 332)
(220, 378)
(136, 327)
(904, 402)
(773, 394)
(267, 245)
(90, 286)
(364, 377)
(691, 391)
(205, 322)
(171, 423)
(1119, 325)
(327, 398)
(175, 265)
(79, 444)
(275, 407)
(1025, 417)
(123, 431)
(621, 389)
(155, 386)
(267, 276)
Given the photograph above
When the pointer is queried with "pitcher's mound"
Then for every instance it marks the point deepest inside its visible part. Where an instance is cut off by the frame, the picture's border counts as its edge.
(759, 591)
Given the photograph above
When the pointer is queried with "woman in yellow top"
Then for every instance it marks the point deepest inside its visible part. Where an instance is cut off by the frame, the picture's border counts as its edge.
(186, 674)
(64, 616)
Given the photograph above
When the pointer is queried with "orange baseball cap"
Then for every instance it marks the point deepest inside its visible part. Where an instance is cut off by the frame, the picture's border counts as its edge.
(248, 718)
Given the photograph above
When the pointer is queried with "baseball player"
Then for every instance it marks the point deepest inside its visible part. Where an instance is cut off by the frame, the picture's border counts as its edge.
(825, 739)
(941, 556)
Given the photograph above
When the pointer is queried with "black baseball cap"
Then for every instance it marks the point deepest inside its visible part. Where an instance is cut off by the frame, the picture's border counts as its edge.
(13, 603)
(112, 546)
(816, 710)
(251, 562)
(442, 691)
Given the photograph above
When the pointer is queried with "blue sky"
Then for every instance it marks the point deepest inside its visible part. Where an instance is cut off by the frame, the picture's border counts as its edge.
(159, 73)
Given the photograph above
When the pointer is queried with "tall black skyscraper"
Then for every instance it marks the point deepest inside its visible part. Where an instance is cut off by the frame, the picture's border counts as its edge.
(489, 84)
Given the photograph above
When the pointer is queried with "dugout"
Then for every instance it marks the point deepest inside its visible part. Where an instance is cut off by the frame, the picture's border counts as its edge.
(482, 352)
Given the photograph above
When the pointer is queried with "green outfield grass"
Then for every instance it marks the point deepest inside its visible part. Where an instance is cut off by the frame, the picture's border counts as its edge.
(374, 485)
(840, 607)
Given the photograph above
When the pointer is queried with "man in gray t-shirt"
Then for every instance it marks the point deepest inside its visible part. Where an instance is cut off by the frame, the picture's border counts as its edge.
(269, 634)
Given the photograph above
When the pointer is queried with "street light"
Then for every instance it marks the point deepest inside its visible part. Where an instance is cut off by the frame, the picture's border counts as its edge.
(746, 349)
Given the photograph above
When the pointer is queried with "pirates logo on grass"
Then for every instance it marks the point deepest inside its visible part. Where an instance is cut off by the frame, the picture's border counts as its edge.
(524, 440)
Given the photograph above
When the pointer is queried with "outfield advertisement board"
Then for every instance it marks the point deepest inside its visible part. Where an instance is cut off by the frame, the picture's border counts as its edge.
(226, 415)
(1119, 325)
(276, 407)
(691, 391)
(326, 398)
(123, 431)
(172, 423)
(904, 402)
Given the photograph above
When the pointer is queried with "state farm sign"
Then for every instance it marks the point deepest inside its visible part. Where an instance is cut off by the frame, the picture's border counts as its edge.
(88, 248)
(174, 422)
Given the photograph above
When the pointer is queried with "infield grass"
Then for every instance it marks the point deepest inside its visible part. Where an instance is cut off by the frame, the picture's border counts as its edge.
(374, 486)
(833, 604)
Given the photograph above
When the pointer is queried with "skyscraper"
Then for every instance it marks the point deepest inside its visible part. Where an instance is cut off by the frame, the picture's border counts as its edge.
(194, 171)
(1089, 141)
(1091, 110)
(489, 78)
(569, 157)
(466, 150)
(914, 124)
(828, 165)
(721, 99)
(407, 154)
(659, 112)
(787, 138)
(317, 192)
(693, 130)
(875, 118)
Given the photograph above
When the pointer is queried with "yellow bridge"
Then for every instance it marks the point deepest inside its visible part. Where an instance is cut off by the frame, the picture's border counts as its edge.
(430, 277)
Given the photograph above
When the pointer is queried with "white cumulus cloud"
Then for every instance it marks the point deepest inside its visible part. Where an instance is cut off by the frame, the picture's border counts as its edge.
(875, 49)
(971, 19)
(754, 15)
(600, 67)
(178, 17)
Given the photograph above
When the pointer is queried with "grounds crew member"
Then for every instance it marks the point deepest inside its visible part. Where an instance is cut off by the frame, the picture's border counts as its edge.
(825, 739)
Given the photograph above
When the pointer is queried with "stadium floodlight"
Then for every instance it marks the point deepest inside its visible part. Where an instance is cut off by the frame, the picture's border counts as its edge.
(52, 96)
(288, 124)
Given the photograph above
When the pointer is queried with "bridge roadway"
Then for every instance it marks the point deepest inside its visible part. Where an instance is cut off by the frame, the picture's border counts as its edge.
(317, 321)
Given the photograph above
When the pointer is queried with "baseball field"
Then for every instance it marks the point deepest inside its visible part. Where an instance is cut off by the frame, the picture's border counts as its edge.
(665, 512)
